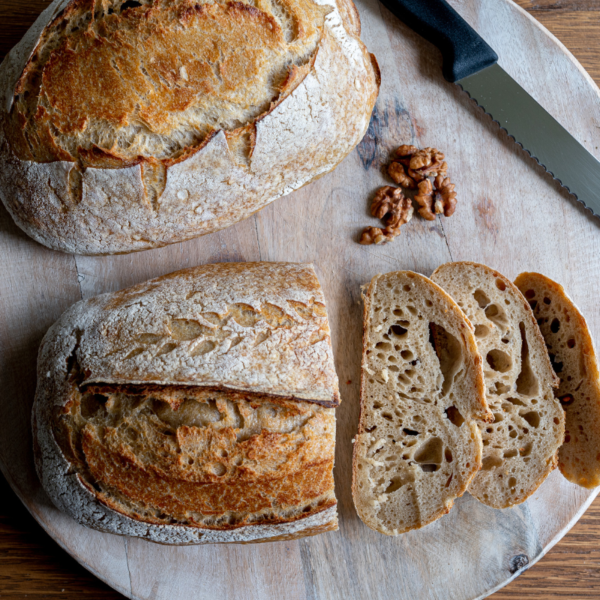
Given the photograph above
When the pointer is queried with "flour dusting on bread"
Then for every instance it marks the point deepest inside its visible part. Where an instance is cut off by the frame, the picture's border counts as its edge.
(194, 408)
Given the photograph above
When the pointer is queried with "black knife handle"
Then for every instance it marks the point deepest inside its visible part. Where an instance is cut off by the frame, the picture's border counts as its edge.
(464, 51)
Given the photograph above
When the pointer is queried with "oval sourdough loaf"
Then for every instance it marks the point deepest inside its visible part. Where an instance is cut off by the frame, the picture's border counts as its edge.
(194, 408)
(520, 447)
(573, 357)
(418, 444)
(127, 125)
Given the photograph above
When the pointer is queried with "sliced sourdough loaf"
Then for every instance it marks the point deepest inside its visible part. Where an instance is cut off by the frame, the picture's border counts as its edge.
(194, 408)
(521, 445)
(574, 359)
(418, 444)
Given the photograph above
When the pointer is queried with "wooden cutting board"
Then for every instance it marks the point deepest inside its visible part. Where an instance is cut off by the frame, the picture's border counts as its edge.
(511, 216)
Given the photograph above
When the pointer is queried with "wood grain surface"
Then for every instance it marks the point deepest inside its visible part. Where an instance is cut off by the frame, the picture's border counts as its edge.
(31, 564)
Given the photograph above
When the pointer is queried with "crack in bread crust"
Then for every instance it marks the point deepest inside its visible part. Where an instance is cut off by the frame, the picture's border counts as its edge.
(191, 463)
(205, 459)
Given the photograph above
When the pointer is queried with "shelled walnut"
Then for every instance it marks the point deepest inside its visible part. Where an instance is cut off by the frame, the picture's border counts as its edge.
(389, 204)
(412, 167)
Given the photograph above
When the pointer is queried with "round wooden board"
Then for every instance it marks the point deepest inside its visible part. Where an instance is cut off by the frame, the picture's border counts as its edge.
(511, 215)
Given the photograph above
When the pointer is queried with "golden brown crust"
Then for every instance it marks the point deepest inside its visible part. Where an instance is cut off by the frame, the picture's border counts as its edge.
(206, 462)
(181, 116)
(571, 349)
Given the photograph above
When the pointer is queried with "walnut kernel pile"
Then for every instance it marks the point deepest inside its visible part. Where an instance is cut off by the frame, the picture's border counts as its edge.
(413, 168)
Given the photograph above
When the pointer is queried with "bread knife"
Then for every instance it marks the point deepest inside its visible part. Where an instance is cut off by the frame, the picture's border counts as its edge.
(471, 63)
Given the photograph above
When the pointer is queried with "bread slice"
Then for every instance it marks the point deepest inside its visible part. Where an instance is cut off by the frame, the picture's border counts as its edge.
(574, 359)
(521, 445)
(418, 444)
(198, 407)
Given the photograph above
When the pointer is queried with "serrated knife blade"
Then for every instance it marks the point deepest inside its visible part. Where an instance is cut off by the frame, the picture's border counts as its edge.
(472, 64)
(538, 132)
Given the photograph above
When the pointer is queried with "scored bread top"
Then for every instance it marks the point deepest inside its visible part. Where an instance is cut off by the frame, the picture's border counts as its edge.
(574, 359)
(193, 408)
(521, 445)
(259, 327)
(155, 78)
(131, 124)
(418, 445)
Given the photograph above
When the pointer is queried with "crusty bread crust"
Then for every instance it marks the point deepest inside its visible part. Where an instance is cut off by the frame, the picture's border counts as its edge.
(572, 351)
(104, 201)
(521, 444)
(418, 444)
(259, 331)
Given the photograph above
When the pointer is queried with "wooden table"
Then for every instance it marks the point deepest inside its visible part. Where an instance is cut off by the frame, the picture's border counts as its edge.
(32, 565)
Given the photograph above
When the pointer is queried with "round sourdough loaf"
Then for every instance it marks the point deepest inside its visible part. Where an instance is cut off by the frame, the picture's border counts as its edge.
(128, 125)
(195, 408)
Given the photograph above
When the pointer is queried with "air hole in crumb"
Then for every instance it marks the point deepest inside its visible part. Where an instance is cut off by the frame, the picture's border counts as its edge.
(516, 402)
(511, 453)
(555, 326)
(526, 450)
(397, 482)
(500, 388)
(429, 468)
(448, 455)
(495, 314)
(547, 300)
(481, 331)
(491, 462)
(529, 294)
(430, 453)
(481, 298)
(406, 288)
(512, 482)
(500, 285)
(454, 416)
(557, 366)
(406, 354)
(449, 352)
(527, 383)
(571, 343)
(130, 4)
(499, 361)
(533, 418)
(410, 431)
(135, 352)
(399, 329)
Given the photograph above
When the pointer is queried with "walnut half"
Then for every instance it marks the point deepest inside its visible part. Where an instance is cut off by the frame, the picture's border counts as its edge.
(389, 204)
(437, 198)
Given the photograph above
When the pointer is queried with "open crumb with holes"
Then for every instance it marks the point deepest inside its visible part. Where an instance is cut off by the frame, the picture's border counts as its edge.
(573, 357)
(198, 407)
(521, 445)
(418, 444)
